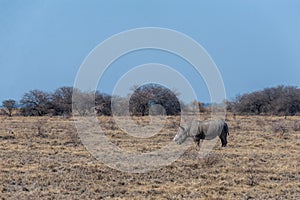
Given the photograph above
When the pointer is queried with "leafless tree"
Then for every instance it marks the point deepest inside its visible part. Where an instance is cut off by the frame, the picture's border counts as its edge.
(196, 106)
(62, 101)
(83, 102)
(150, 94)
(103, 103)
(280, 100)
(9, 106)
(36, 103)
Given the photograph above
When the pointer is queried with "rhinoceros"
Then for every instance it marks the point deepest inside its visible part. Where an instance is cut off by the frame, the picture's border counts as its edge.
(203, 130)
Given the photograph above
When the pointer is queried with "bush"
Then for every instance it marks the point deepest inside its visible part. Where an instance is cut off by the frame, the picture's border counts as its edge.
(151, 94)
(9, 106)
(61, 101)
(36, 103)
(281, 100)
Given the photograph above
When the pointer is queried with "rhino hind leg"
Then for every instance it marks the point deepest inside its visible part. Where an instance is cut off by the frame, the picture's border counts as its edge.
(223, 135)
(223, 138)
(223, 141)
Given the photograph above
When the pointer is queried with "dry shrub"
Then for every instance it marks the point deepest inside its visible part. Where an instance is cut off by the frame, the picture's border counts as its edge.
(211, 160)
(41, 129)
(172, 123)
(279, 128)
(251, 171)
(251, 174)
(238, 124)
(296, 126)
(260, 122)
(252, 179)
(111, 124)
(108, 124)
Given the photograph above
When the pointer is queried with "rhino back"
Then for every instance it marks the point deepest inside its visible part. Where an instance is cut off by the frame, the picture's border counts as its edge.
(212, 128)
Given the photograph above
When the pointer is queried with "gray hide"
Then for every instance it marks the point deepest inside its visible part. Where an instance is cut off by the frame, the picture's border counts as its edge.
(200, 130)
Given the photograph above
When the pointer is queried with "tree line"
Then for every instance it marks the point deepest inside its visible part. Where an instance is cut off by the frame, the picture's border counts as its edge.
(280, 100)
(59, 103)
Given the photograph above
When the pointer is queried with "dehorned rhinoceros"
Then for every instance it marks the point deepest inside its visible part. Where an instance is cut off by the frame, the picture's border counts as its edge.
(203, 130)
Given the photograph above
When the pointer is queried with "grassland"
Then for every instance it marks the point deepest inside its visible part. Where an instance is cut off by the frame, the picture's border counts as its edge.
(43, 158)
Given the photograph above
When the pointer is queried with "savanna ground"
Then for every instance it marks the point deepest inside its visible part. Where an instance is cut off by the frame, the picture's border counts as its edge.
(42, 158)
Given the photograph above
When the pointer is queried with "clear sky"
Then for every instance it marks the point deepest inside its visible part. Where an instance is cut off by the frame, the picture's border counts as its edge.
(255, 44)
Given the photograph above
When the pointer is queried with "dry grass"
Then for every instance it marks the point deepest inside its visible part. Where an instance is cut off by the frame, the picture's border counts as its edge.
(42, 158)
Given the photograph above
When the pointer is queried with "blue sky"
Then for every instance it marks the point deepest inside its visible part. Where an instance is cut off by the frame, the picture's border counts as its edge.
(255, 44)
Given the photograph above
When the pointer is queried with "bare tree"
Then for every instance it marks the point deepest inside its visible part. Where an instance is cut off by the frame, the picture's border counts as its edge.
(119, 105)
(103, 104)
(150, 94)
(83, 102)
(36, 103)
(9, 105)
(62, 101)
(196, 106)
(280, 100)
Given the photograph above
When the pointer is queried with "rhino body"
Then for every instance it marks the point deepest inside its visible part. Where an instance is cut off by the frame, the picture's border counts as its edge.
(204, 130)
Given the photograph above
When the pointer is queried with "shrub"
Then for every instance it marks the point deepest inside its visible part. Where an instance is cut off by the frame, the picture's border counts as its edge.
(281, 100)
